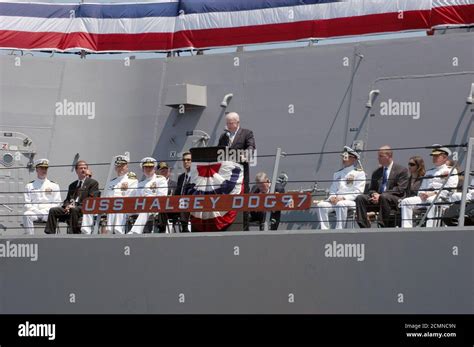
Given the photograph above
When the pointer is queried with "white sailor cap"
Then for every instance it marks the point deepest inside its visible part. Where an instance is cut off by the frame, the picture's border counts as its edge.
(350, 152)
(148, 161)
(41, 163)
(121, 160)
(438, 149)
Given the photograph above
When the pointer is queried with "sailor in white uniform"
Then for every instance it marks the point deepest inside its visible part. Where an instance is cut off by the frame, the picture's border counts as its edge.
(431, 184)
(123, 185)
(40, 195)
(347, 184)
(152, 185)
(469, 196)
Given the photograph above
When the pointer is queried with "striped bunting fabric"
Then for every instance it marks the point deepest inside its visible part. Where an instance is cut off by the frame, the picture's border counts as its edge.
(165, 25)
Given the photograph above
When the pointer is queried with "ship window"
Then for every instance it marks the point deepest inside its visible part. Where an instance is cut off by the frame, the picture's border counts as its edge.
(7, 159)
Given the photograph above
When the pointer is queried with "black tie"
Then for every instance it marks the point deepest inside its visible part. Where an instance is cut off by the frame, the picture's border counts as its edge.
(383, 187)
(76, 193)
(185, 182)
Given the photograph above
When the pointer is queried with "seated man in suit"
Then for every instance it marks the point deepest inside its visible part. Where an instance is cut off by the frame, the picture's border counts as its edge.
(263, 186)
(70, 210)
(183, 181)
(387, 186)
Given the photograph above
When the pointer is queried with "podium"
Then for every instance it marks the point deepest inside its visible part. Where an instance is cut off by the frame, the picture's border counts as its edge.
(206, 154)
(212, 155)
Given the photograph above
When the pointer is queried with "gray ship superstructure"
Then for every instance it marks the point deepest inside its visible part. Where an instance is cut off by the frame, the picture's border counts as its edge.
(408, 93)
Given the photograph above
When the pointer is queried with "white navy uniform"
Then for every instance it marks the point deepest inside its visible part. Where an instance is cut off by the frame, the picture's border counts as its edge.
(121, 186)
(40, 196)
(440, 175)
(347, 183)
(156, 185)
(469, 196)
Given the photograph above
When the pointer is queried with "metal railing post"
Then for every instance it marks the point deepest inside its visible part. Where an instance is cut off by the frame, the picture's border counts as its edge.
(467, 180)
(276, 167)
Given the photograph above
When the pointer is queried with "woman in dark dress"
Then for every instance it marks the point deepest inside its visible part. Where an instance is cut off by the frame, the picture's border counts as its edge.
(416, 168)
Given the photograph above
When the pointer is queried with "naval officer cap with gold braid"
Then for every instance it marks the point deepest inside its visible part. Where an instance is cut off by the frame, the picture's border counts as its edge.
(148, 161)
(120, 160)
(438, 149)
(347, 151)
(41, 163)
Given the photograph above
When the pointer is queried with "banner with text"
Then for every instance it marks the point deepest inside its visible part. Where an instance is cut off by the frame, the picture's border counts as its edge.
(199, 203)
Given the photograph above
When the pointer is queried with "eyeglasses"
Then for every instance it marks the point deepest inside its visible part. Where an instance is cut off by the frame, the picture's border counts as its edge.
(411, 164)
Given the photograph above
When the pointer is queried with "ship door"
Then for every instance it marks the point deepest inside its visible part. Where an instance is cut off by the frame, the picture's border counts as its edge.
(16, 155)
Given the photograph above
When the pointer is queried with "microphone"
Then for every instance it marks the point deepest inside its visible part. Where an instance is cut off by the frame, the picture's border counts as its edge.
(283, 179)
(227, 138)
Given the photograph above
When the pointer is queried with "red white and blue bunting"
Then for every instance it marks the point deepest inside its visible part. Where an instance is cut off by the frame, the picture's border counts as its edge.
(164, 25)
(214, 178)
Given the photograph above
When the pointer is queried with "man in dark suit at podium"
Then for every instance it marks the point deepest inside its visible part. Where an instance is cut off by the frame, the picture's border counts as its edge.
(238, 138)
(71, 209)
